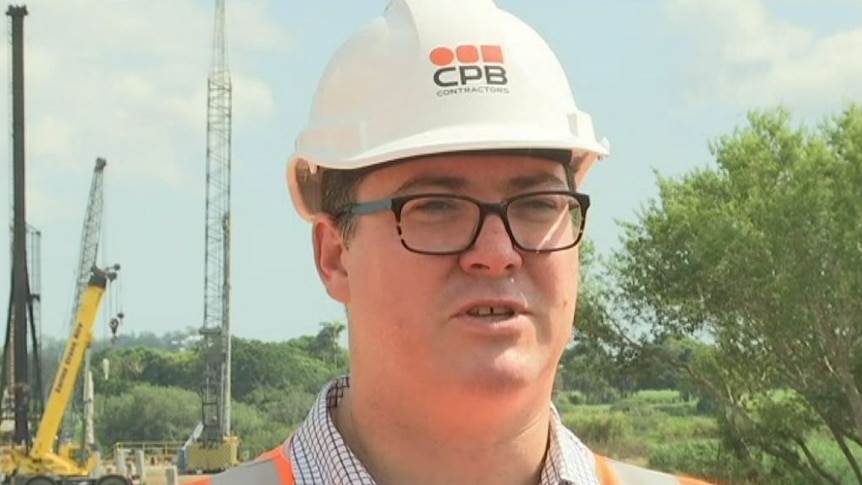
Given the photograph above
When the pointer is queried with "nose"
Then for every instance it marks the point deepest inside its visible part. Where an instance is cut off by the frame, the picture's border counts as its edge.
(493, 252)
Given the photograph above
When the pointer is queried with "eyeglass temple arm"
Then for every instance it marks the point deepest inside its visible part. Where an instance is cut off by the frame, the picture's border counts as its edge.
(371, 207)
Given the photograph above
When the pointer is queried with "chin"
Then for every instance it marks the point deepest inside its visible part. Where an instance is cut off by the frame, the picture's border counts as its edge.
(505, 375)
(497, 385)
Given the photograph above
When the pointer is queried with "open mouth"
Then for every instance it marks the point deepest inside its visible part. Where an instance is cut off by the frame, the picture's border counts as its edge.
(491, 311)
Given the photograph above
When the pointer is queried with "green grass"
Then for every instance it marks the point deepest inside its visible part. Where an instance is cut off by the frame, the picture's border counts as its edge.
(659, 430)
(662, 396)
(830, 456)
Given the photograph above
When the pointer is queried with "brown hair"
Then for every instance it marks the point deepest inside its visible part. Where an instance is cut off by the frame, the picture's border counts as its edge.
(338, 187)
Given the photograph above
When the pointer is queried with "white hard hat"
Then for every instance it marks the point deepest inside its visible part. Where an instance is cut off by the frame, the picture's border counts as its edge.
(434, 76)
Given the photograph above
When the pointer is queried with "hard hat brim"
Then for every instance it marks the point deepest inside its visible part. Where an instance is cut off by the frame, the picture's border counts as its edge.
(304, 168)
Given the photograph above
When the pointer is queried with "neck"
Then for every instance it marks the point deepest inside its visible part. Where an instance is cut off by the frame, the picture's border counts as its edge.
(430, 437)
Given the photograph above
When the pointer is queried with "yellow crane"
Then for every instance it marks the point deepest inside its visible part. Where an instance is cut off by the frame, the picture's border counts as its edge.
(40, 464)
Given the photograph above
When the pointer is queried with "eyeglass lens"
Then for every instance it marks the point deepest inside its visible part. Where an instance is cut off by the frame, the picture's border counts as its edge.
(538, 222)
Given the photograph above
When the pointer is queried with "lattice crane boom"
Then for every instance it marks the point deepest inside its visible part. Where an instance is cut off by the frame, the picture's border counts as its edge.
(212, 446)
(91, 233)
(216, 331)
(90, 236)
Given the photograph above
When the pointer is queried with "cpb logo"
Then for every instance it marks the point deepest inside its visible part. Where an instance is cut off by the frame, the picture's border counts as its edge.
(482, 64)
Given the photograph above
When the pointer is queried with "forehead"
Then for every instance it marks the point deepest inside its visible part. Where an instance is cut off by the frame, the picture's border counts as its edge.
(466, 171)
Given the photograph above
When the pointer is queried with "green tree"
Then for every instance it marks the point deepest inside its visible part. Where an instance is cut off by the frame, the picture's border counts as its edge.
(144, 365)
(279, 365)
(326, 344)
(589, 364)
(147, 413)
(151, 388)
(257, 430)
(588, 367)
(761, 255)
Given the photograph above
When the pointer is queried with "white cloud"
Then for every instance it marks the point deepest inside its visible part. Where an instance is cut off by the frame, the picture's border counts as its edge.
(55, 135)
(127, 80)
(749, 56)
(252, 99)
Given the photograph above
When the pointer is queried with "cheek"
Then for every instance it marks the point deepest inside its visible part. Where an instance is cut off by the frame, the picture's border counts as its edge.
(393, 319)
(561, 280)
(571, 287)
(388, 284)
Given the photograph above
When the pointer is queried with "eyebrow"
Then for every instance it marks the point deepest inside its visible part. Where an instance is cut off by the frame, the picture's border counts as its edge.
(529, 181)
(448, 182)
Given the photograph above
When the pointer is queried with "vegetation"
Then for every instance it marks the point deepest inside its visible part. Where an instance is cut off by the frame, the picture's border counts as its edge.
(146, 386)
(740, 287)
(722, 340)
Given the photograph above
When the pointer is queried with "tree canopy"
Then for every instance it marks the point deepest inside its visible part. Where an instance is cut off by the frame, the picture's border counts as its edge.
(761, 256)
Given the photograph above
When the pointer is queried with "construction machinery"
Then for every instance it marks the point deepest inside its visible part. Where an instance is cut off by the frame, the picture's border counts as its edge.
(39, 463)
(27, 458)
(32, 295)
(54, 454)
(89, 251)
(212, 446)
(21, 376)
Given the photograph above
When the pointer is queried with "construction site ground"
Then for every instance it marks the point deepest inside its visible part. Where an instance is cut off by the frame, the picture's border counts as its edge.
(156, 476)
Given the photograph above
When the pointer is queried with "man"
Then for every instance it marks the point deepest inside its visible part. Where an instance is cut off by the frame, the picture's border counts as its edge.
(439, 172)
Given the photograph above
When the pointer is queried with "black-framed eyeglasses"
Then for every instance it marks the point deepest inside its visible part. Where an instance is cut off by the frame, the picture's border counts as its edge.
(445, 224)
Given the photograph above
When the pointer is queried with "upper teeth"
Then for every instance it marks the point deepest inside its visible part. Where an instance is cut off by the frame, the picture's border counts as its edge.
(490, 310)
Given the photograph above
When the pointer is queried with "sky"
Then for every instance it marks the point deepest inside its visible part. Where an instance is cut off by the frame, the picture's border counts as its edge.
(126, 80)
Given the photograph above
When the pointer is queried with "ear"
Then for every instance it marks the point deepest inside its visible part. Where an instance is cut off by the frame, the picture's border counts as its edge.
(329, 248)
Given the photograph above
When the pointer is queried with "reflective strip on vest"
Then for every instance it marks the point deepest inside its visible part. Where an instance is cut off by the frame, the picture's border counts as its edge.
(612, 472)
(261, 472)
(271, 468)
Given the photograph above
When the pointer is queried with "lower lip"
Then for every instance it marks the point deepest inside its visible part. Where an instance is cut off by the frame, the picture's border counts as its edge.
(494, 326)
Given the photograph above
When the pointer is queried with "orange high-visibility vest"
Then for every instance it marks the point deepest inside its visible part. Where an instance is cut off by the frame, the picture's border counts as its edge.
(270, 468)
(274, 468)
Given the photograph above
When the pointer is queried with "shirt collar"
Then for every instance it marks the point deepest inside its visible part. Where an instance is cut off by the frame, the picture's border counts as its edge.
(319, 451)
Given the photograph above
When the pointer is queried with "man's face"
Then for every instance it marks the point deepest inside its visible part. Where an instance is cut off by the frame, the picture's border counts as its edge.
(420, 318)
